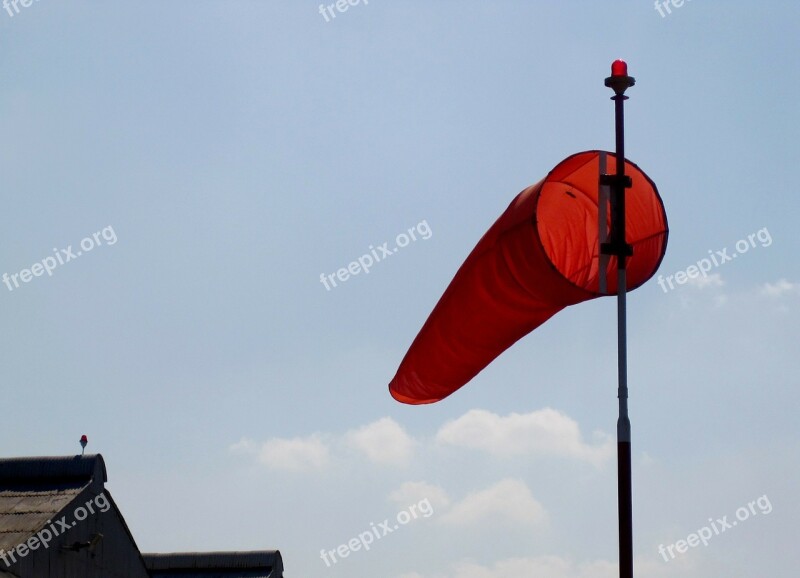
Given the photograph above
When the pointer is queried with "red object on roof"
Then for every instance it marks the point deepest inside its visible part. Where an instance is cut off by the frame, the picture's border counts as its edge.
(539, 257)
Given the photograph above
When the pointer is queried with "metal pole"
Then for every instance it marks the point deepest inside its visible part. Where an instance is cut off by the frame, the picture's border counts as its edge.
(618, 246)
(602, 225)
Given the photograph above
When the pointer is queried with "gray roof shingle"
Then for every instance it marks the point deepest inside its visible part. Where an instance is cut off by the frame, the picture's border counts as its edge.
(34, 490)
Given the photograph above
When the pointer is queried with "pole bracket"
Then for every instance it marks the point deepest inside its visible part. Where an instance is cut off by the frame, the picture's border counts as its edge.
(619, 84)
(616, 249)
(616, 180)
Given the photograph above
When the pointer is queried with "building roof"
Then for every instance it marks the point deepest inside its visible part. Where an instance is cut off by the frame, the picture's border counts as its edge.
(255, 564)
(50, 470)
(34, 490)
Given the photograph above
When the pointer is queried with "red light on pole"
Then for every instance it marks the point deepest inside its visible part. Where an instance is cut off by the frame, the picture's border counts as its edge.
(619, 79)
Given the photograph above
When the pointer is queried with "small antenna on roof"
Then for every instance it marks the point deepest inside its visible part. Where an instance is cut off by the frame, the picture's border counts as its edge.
(84, 441)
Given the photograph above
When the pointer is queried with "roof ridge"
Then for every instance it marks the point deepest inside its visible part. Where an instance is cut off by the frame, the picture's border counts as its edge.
(48, 468)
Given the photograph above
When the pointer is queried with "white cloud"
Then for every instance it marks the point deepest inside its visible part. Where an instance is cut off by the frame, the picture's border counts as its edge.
(557, 567)
(720, 300)
(507, 500)
(244, 446)
(646, 460)
(779, 289)
(295, 454)
(655, 567)
(415, 492)
(543, 566)
(549, 566)
(383, 442)
(543, 432)
(700, 282)
(386, 443)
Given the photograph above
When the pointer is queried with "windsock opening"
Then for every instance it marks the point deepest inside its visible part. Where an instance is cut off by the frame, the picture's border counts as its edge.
(566, 215)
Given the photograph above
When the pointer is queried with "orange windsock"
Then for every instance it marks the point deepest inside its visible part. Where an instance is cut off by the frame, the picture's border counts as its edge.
(540, 256)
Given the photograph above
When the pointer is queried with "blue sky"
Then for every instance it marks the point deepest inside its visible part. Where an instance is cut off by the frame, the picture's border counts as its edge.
(238, 150)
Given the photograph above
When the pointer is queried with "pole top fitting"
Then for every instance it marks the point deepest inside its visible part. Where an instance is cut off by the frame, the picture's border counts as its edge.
(619, 80)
